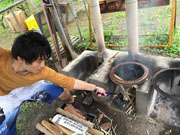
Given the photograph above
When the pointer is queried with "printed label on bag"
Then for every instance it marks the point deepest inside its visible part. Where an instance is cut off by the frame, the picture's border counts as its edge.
(70, 124)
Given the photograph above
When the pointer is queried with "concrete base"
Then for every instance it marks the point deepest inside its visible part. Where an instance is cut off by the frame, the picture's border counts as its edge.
(85, 67)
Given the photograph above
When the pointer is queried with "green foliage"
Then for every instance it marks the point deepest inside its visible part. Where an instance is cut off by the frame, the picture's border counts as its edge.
(85, 45)
(5, 3)
(108, 33)
(159, 22)
(158, 39)
(120, 14)
(30, 105)
(38, 2)
(26, 109)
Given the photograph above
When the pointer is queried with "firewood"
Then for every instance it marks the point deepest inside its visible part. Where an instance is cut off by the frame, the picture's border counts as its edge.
(101, 115)
(51, 128)
(118, 77)
(94, 131)
(43, 129)
(106, 126)
(69, 108)
(59, 130)
(90, 131)
(63, 129)
(69, 115)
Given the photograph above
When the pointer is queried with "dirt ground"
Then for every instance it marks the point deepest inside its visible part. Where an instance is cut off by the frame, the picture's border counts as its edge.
(140, 126)
(125, 125)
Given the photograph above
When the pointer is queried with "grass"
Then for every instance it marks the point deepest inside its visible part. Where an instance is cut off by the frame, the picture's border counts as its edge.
(27, 109)
(31, 105)
(153, 22)
(5, 3)
(7, 37)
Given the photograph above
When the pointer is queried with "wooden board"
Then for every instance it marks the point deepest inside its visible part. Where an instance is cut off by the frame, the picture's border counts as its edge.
(107, 6)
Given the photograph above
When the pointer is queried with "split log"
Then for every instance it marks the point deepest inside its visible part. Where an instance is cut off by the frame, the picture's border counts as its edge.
(94, 131)
(63, 129)
(43, 129)
(124, 91)
(69, 132)
(74, 111)
(106, 126)
(69, 115)
(51, 127)
(101, 115)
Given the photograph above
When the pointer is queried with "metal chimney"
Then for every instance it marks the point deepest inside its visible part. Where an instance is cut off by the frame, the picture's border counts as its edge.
(97, 25)
(132, 26)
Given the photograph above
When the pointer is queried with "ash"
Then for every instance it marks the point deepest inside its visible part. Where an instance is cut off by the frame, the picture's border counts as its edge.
(166, 110)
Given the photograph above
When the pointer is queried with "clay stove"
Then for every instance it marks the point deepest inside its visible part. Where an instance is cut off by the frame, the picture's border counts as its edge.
(100, 75)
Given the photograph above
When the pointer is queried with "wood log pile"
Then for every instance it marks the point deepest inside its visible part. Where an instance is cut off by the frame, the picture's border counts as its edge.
(70, 121)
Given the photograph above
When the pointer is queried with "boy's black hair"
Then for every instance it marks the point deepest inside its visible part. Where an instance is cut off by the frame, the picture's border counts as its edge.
(30, 46)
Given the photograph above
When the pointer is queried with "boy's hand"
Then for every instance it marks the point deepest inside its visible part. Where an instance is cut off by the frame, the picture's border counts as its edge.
(100, 91)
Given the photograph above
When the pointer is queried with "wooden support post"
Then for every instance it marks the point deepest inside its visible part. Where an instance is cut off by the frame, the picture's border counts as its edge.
(65, 33)
(51, 27)
(172, 24)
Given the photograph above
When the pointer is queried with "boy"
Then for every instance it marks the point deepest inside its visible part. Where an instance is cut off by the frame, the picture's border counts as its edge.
(24, 77)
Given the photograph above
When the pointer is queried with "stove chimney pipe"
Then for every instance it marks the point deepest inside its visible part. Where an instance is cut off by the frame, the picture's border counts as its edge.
(97, 25)
(132, 26)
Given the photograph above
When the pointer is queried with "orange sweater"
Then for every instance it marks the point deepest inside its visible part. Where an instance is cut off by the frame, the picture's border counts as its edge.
(9, 80)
